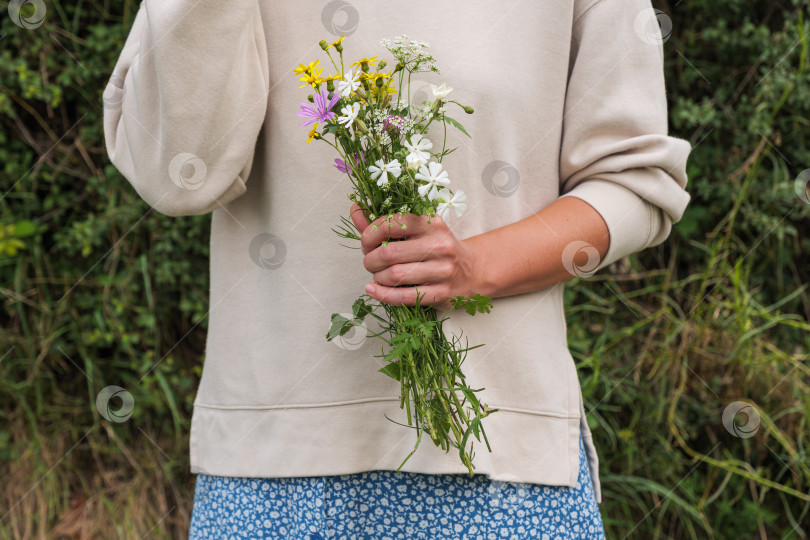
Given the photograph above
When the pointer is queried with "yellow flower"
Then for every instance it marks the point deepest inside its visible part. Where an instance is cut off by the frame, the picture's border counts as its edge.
(372, 77)
(368, 61)
(373, 90)
(313, 78)
(335, 43)
(303, 69)
(313, 134)
(335, 77)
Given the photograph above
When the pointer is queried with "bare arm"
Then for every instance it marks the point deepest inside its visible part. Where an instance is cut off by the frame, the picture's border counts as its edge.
(538, 251)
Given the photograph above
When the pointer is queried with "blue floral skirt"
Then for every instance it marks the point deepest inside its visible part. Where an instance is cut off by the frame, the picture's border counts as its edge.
(384, 505)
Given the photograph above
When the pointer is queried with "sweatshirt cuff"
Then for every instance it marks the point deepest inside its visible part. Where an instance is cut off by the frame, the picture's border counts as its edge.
(629, 218)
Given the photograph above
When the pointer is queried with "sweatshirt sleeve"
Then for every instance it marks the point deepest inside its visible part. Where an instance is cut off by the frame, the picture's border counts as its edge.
(186, 101)
(615, 152)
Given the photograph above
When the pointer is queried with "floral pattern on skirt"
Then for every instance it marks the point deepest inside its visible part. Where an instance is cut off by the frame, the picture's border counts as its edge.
(389, 505)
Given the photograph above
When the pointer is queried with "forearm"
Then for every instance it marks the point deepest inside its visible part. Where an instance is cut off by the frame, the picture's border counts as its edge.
(529, 255)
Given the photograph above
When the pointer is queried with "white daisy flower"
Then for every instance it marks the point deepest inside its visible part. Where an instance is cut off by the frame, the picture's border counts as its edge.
(456, 202)
(418, 150)
(440, 92)
(349, 114)
(381, 170)
(434, 176)
(350, 83)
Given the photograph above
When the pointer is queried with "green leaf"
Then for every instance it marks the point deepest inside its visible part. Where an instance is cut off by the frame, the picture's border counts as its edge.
(360, 309)
(393, 370)
(340, 325)
(470, 395)
(458, 126)
(24, 228)
(330, 128)
(474, 426)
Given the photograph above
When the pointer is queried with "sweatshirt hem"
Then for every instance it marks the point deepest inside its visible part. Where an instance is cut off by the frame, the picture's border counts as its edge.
(362, 402)
(329, 441)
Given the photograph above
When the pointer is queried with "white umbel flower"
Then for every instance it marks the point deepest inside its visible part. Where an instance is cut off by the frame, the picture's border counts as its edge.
(434, 176)
(454, 201)
(349, 114)
(381, 170)
(418, 150)
(350, 83)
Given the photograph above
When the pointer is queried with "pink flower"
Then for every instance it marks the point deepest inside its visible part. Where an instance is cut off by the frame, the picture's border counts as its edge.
(341, 165)
(321, 111)
(394, 122)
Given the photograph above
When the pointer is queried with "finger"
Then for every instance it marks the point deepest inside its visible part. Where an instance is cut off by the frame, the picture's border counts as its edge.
(406, 296)
(358, 217)
(413, 274)
(387, 229)
(412, 250)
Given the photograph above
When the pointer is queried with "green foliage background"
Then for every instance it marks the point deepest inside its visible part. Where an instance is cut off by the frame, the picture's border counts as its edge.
(97, 289)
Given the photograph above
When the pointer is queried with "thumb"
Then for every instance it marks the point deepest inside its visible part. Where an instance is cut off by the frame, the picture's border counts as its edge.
(358, 218)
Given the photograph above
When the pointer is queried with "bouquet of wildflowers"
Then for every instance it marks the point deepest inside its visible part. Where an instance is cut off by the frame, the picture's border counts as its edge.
(386, 155)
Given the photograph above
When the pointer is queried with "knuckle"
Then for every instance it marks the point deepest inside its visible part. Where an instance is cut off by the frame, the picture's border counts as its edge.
(444, 247)
(389, 253)
(397, 273)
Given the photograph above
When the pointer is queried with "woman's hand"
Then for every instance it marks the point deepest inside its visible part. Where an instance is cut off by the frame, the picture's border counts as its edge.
(431, 258)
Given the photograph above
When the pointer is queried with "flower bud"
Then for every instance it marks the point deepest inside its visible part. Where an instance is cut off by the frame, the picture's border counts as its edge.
(381, 65)
(468, 109)
(339, 48)
(399, 67)
(330, 85)
(310, 98)
(379, 82)
(324, 45)
(360, 126)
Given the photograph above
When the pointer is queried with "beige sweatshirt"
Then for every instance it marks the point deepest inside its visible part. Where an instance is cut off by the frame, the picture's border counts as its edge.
(200, 116)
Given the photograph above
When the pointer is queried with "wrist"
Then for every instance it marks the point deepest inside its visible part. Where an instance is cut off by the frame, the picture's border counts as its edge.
(478, 279)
